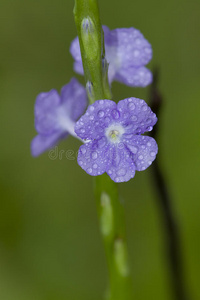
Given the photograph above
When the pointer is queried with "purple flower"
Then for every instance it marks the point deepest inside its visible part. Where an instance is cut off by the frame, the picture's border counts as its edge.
(127, 52)
(55, 115)
(115, 144)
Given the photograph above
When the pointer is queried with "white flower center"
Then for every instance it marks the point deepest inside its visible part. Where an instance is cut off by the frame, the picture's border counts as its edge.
(114, 133)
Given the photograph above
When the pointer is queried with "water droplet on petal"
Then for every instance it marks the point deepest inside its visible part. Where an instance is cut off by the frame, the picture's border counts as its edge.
(121, 172)
(131, 106)
(144, 107)
(91, 108)
(82, 130)
(115, 114)
(102, 142)
(101, 114)
(83, 150)
(140, 157)
(128, 136)
(133, 149)
(107, 120)
(116, 179)
(95, 166)
(94, 155)
(133, 118)
(91, 117)
(153, 153)
(89, 170)
(109, 172)
(149, 144)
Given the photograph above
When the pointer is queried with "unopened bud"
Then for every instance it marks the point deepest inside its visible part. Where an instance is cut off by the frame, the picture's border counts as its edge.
(89, 38)
(90, 90)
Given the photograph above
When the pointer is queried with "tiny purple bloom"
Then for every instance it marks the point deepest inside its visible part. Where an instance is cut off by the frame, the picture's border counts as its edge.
(127, 52)
(115, 144)
(55, 115)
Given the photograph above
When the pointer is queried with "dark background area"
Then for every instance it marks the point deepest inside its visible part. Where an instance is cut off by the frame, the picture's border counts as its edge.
(50, 245)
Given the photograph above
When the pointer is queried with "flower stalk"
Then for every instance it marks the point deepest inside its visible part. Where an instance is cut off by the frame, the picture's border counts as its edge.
(110, 210)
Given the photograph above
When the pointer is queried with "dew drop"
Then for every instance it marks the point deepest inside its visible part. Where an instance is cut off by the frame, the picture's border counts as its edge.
(89, 170)
(144, 107)
(91, 117)
(133, 118)
(131, 106)
(91, 108)
(94, 155)
(102, 142)
(152, 153)
(95, 166)
(140, 157)
(83, 150)
(121, 172)
(101, 114)
(109, 172)
(82, 130)
(107, 120)
(149, 144)
(133, 149)
(115, 114)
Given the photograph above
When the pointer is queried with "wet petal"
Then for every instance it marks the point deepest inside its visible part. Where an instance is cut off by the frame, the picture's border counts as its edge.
(45, 112)
(93, 158)
(137, 115)
(74, 99)
(42, 143)
(122, 167)
(133, 49)
(97, 117)
(144, 150)
(135, 77)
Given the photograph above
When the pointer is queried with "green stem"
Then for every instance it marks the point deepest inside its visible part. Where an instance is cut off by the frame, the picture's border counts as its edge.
(110, 210)
(112, 226)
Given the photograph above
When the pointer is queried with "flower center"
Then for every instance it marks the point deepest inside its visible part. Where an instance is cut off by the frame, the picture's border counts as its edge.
(114, 133)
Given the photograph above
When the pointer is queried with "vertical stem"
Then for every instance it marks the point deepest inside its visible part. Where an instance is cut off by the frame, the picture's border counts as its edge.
(165, 204)
(110, 210)
(112, 226)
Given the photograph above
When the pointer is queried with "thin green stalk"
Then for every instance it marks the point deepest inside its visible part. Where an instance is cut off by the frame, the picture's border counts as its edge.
(110, 210)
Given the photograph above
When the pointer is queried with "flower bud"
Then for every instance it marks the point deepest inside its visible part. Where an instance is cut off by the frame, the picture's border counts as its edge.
(89, 38)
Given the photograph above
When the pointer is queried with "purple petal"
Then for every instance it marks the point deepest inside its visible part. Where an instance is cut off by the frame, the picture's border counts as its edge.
(93, 158)
(122, 167)
(78, 67)
(42, 143)
(135, 77)
(74, 99)
(137, 116)
(75, 50)
(45, 112)
(144, 150)
(132, 48)
(97, 117)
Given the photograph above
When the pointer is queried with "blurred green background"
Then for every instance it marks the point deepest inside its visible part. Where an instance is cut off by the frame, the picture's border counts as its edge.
(50, 246)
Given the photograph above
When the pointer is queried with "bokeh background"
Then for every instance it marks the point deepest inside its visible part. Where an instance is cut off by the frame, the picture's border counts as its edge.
(50, 245)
